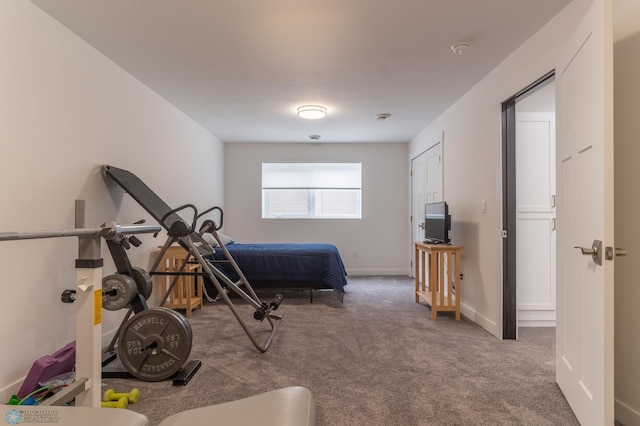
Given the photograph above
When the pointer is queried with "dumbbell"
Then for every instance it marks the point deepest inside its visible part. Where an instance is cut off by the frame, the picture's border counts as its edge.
(120, 403)
(132, 397)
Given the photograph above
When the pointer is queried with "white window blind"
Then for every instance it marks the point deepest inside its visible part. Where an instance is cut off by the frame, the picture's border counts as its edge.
(311, 190)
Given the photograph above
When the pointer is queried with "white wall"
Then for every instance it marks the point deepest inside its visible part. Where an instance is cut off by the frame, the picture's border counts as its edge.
(472, 164)
(64, 111)
(472, 172)
(627, 232)
(379, 239)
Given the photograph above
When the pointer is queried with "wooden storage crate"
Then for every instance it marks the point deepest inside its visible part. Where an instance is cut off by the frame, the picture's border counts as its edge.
(187, 293)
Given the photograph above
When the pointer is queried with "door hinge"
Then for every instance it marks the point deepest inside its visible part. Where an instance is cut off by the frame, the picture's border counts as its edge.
(504, 233)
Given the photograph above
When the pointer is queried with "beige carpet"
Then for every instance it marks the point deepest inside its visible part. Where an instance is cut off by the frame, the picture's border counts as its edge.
(376, 359)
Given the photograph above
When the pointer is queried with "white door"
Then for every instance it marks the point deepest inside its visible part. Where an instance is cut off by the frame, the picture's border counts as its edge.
(584, 330)
(535, 219)
(426, 187)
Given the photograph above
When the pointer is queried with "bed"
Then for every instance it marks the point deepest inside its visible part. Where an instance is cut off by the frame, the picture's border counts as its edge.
(286, 266)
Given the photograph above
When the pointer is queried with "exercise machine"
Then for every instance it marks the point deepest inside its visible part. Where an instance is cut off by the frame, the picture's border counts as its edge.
(186, 234)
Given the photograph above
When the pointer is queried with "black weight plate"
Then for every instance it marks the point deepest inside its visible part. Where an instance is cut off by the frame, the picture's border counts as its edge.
(143, 281)
(118, 291)
(154, 344)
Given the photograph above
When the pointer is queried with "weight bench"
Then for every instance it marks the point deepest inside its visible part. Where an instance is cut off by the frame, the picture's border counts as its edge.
(292, 406)
(184, 233)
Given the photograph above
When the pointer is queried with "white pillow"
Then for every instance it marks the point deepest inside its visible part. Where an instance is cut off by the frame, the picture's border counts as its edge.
(209, 238)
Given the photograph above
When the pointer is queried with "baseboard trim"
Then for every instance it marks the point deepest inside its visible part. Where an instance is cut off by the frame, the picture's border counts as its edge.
(367, 272)
(481, 320)
(536, 323)
(626, 415)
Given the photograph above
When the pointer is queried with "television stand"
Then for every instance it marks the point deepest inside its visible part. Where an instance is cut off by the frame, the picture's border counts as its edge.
(435, 243)
(440, 263)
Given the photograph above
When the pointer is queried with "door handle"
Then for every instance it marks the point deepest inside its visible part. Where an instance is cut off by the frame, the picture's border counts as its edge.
(595, 251)
(421, 225)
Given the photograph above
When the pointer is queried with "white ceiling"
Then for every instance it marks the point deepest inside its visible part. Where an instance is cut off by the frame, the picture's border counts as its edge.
(241, 68)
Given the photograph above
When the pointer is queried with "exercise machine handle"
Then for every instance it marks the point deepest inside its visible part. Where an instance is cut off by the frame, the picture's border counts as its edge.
(217, 225)
(180, 228)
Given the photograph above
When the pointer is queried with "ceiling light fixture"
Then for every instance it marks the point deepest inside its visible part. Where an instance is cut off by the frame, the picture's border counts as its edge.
(460, 48)
(312, 112)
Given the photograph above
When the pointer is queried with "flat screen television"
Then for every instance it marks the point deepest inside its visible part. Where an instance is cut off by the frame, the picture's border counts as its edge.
(437, 223)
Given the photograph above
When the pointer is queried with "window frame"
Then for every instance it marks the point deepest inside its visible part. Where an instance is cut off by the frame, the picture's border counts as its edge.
(312, 193)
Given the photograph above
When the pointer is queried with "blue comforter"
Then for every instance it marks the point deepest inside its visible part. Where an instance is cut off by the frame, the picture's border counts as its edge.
(314, 262)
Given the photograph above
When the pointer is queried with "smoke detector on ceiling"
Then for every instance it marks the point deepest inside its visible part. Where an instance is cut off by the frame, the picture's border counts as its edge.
(460, 48)
(382, 117)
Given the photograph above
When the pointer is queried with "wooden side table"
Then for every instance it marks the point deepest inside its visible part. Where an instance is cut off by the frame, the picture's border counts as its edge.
(441, 264)
(187, 293)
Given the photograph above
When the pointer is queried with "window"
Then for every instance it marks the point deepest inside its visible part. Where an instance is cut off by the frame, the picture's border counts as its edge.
(311, 190)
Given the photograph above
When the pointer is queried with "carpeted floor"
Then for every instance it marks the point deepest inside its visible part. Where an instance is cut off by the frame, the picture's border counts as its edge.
(376, 359)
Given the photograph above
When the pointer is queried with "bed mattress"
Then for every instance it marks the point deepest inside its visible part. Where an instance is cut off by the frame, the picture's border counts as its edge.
(286, 262)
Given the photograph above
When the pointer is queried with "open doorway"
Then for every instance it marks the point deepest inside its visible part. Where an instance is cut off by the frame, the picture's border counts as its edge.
(528, 120)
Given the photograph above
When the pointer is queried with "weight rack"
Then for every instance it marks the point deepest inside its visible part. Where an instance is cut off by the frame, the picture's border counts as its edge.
(88, 298)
